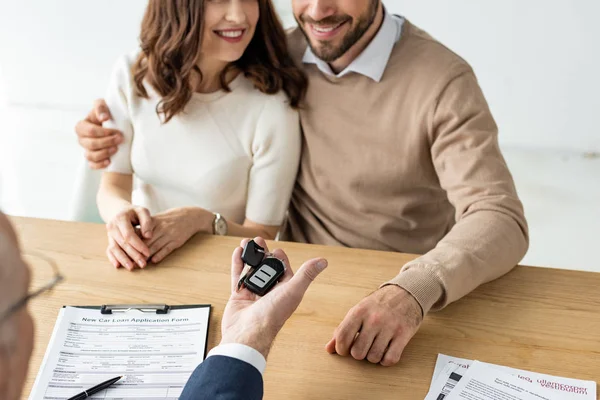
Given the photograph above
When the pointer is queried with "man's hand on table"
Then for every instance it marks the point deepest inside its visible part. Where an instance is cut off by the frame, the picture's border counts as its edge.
(255, 321)
(99, 143)
(379, 327)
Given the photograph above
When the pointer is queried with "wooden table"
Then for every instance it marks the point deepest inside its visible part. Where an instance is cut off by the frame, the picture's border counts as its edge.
(537, 319)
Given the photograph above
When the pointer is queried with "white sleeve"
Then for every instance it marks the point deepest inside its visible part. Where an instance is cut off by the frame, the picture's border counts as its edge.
(117, 101)
(242, 353)
(275, 158)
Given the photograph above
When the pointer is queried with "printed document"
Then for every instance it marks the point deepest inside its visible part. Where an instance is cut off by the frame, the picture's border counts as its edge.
(483, 382)
(155, 353)
(449, 371)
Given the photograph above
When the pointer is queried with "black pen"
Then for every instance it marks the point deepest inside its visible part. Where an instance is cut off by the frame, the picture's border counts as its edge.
(87, 393)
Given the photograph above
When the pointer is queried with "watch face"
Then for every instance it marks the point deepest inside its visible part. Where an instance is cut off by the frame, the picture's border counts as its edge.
(221, 227)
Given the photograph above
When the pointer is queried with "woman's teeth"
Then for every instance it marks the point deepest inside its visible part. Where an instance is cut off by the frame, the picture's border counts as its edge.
(230, 34)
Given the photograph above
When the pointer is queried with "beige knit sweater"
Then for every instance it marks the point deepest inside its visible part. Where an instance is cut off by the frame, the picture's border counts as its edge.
(409, 164)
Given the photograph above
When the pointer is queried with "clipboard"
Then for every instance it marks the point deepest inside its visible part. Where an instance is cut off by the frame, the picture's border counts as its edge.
(160, 309)
(75, 358)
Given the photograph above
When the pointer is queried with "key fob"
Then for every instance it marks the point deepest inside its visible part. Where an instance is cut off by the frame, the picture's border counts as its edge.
(263, 278)
(253, 254)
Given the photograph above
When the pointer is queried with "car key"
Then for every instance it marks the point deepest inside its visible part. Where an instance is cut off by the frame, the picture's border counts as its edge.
(253, 254)
(265, 277)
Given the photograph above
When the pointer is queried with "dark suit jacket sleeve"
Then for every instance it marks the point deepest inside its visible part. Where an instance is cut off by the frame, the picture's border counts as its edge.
(224, 378)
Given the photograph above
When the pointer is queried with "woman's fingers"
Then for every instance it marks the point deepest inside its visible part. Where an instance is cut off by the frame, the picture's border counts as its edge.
(115, 263)
(158, 245)
(118, 254)
(163, 252)
(132, 253)
(129, 236)
(146, 221)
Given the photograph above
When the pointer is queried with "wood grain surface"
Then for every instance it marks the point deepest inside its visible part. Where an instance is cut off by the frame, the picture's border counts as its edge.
(536, 319)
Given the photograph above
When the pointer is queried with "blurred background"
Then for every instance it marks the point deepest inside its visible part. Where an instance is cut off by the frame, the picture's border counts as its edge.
(538, 63)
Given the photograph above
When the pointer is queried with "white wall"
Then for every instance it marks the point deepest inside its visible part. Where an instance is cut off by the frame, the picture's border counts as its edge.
(538, 62)
(60, 53)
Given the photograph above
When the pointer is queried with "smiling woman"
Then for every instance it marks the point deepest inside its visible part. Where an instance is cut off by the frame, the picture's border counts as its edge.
(207, 108)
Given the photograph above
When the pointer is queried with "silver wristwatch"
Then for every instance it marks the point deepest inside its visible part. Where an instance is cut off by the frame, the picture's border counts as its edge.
(219, 225)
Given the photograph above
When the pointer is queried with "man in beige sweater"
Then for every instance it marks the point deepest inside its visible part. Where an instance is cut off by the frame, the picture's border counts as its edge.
(400, 153)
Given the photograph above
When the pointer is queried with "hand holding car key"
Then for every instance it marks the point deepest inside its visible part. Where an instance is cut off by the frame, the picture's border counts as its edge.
(252, 320)
(262, 270)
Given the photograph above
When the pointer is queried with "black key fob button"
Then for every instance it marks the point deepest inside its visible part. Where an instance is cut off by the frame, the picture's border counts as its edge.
(265, 277)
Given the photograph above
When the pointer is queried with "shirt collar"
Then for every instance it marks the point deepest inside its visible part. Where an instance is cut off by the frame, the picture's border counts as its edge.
(374, 58)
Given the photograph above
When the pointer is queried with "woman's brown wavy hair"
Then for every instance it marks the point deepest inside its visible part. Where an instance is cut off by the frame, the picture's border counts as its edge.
(170, 42)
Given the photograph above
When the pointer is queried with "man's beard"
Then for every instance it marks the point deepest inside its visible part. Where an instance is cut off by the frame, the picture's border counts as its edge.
(326, 51)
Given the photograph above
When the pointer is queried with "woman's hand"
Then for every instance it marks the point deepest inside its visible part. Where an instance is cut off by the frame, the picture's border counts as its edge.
(173, 228)
(125, 245)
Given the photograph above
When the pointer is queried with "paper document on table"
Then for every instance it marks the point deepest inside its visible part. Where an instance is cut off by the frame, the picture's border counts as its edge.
(155, 353)
(443, 360)
(484, 382)
(446, 381)
(565, 388)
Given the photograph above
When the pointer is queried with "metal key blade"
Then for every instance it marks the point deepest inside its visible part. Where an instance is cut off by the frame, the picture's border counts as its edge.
(243, 275)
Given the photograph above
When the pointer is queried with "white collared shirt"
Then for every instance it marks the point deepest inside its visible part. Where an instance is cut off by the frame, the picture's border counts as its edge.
(242, 353)
(374, 58)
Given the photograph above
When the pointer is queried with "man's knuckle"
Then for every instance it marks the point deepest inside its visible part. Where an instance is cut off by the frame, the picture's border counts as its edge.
(310, 274)
(388, 361)
(357, 353)
(399, 328)
(94, 156)
(84, 129)
(97, 132)
(373, 357)
(391, 358)
(345, 341)
(95, 144)
(376, 319)
(341, 339)
(358, 311)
